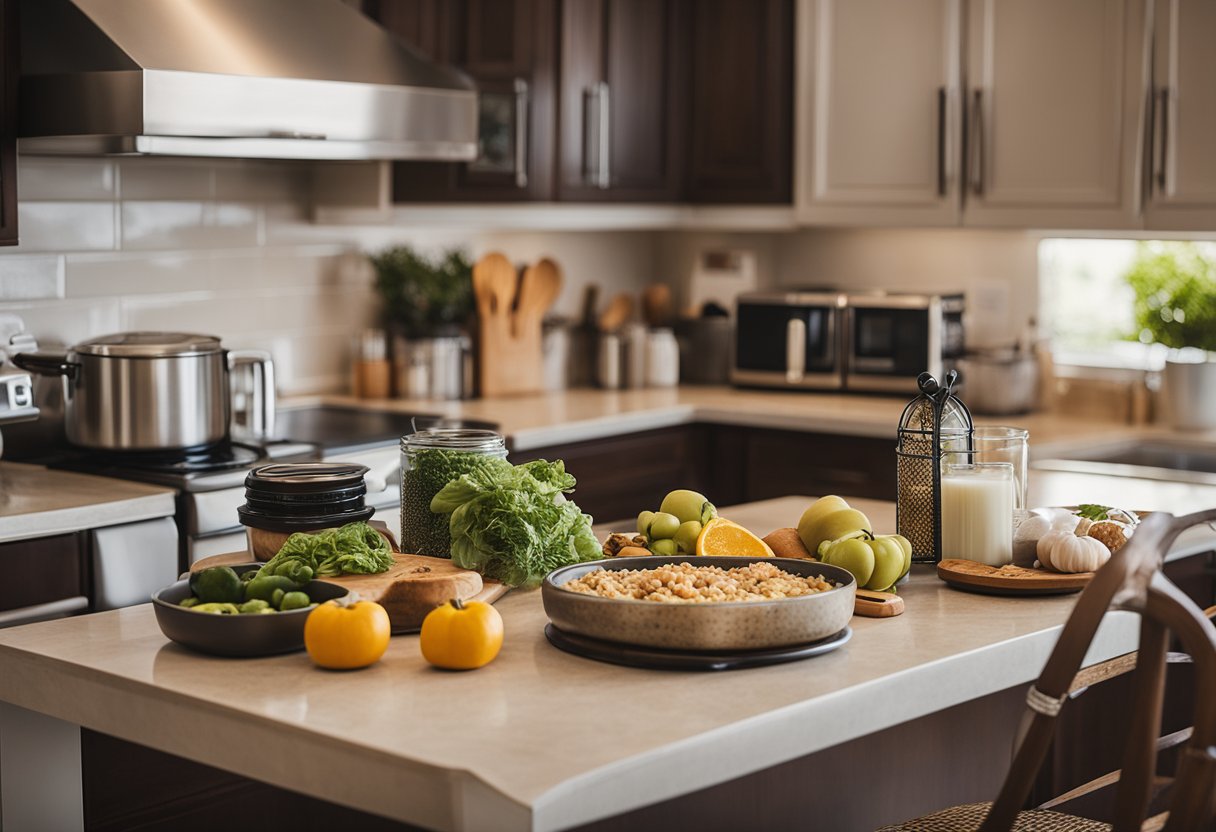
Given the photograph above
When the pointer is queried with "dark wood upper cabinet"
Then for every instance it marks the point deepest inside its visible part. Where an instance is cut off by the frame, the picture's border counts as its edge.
(740, 129)
(509, 48)
(611, 100)
(9, 70)
(622, 70)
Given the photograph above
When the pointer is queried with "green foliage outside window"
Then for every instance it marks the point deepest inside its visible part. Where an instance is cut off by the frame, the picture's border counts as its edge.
(1175, 288)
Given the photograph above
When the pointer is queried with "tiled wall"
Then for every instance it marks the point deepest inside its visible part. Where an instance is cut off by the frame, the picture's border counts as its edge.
(225, 247)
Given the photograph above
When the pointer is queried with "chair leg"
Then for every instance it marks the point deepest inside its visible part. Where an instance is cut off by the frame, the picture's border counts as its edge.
(1140, 756)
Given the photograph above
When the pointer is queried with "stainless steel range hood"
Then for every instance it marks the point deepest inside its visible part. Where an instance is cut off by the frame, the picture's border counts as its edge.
(281, 79)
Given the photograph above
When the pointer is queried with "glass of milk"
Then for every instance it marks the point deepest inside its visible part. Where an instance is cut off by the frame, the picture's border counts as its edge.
(977, 512)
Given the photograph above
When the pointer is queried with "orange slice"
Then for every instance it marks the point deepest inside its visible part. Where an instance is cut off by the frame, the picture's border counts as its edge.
(722, 537)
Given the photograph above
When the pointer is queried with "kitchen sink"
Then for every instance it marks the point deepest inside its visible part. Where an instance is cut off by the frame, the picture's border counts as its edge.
(1158, 459)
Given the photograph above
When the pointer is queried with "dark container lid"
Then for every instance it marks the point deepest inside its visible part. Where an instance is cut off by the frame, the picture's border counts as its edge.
(309, 523)
(305, 477)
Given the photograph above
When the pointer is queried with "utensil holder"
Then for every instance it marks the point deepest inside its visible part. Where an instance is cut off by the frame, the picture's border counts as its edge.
(930, 421)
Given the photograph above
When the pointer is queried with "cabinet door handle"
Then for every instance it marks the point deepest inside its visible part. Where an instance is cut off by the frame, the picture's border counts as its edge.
(1162, 179)
(941, 141)
(795, 349)
(603, 166)
(977, 143)
(522, 134)
(597, 127)
(38, 612)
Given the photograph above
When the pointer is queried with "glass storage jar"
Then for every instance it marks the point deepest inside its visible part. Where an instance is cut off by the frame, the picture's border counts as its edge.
(430, 459)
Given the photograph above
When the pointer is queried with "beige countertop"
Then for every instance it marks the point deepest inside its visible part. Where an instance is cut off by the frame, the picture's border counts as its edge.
(538, 739)
(37, 502)
(577, 415)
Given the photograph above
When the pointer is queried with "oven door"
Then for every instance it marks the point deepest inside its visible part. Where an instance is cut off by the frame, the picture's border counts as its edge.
(784, 345)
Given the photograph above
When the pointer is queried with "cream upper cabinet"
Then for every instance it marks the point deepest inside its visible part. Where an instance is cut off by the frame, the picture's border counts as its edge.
(1182, 181)
(878, 112)
(1015, 113)
(1054, 112)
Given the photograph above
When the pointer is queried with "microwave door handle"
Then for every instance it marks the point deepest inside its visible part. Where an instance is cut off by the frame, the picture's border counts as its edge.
(795, 350)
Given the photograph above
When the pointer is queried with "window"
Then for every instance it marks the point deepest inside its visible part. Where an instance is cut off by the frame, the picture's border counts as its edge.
(1088, 307)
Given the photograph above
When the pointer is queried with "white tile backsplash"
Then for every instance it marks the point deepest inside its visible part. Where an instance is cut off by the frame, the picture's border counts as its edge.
(66, 226)
(145, 243)
(31, 278)
(52, 178)
(227, 247)
(170, 179)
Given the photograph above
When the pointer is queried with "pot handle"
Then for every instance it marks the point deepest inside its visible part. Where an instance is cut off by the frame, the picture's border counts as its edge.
(253, 401)
(47, 364)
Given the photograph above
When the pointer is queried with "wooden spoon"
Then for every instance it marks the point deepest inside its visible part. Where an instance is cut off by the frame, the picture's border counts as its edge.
(619, 310)
(539, 288)
(656, 304)
(494, 288)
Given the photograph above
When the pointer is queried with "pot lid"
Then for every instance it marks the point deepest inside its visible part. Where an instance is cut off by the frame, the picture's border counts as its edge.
(149, 345)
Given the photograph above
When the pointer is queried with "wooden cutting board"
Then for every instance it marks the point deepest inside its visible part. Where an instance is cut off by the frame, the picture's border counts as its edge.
(1009, 579)
(412, 587)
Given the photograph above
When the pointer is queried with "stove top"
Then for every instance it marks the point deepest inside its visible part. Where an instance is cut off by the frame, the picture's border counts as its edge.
(194, 469)
(350, 429)
(314, 433)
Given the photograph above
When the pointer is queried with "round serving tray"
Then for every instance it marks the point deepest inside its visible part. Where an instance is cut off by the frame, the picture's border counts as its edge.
(733, 626)
(973, 576)
(654, 658)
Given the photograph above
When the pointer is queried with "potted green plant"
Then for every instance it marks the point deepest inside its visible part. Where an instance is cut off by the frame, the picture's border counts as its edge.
(427, 305)
(1175, 288)
(424, 297)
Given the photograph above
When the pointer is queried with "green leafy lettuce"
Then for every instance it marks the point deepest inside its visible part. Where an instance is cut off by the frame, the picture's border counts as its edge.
(515, 524)
(355, 547)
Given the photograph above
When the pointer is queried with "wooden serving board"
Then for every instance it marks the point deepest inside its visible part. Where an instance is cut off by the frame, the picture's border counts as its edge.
(412, 587)
(1009, 579)
(871, 604)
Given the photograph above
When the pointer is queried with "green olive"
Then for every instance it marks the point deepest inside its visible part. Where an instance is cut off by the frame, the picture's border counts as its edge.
(644, 522)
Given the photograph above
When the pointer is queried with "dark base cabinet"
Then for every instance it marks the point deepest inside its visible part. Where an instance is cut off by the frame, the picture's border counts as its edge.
(956, 755)
(620, 476)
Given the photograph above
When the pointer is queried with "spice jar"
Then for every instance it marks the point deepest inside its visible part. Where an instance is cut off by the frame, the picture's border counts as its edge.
(430, 459)
(285, 498)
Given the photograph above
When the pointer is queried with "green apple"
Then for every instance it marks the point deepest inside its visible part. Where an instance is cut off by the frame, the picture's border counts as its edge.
(663, 526)
(686, 537)
(853, 554)
(644, 522)
(888, 563)
(688, 505)
(830, 526)
(666, 548)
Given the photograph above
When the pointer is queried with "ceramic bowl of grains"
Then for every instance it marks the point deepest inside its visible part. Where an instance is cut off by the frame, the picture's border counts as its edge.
(701, 603)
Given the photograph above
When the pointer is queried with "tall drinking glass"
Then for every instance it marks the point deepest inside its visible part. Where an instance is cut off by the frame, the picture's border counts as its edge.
(1005, 445)
(977, 512)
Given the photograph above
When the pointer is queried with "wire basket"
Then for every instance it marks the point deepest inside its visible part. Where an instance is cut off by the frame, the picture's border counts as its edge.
(934, 422)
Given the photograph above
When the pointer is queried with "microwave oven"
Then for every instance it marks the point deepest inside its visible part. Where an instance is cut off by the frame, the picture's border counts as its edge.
(789, 339)
(891, 338)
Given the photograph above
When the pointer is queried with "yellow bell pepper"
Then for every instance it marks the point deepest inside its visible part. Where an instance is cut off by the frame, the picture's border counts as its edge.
(461, 635)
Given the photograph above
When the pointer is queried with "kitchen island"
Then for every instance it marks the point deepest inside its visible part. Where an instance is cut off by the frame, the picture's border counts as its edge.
(544, 740)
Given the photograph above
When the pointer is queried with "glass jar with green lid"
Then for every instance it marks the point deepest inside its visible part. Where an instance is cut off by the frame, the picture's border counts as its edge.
(430, 459)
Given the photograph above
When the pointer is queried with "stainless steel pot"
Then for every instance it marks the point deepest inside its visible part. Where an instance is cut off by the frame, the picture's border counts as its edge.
(144, 391)
(1000, 383)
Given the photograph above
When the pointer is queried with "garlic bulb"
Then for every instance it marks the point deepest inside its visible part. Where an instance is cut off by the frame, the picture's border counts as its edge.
(1072, 551)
